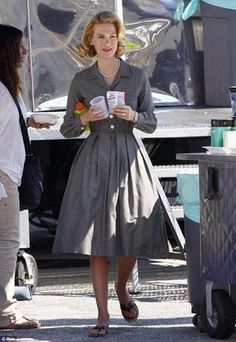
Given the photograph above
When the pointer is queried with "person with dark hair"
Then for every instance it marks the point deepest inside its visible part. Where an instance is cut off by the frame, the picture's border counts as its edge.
(111, 206)
(12, 157)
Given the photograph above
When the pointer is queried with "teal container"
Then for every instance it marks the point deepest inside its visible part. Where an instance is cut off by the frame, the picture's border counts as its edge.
(217, 129)
(188, 195)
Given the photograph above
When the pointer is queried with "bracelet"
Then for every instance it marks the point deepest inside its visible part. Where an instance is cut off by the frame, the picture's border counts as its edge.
(135, 119)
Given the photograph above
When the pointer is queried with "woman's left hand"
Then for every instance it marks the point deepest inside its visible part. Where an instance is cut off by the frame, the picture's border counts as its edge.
(125, 112)
(32, 123)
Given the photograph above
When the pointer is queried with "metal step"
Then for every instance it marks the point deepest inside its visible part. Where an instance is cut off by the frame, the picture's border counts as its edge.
(171, 171)
(178, 211)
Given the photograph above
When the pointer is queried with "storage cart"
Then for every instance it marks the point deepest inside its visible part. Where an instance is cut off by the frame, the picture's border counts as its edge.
(217, 176)
(188, 197)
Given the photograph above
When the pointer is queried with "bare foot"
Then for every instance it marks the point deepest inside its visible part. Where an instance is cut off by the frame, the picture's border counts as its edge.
(98, 331)
(23, 323)
(128, 307)
(122, 294)
(101, 327)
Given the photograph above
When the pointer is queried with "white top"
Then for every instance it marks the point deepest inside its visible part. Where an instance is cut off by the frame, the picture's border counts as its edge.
(12, 150)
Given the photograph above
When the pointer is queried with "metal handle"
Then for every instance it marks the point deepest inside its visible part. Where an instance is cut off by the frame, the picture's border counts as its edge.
(211, 184)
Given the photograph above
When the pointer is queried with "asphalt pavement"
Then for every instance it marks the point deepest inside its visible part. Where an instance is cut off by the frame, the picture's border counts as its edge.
(65, 304)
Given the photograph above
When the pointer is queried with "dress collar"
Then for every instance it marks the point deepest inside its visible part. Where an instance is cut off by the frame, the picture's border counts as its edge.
(124, 70)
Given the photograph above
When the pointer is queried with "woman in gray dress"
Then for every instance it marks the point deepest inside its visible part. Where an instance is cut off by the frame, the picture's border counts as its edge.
(110, 206)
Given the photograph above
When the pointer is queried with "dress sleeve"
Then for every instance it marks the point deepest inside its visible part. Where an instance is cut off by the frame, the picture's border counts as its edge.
(72, 125)
(147, 120)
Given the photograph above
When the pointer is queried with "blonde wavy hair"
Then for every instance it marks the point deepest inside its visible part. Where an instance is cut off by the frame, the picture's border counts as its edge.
(84, 49)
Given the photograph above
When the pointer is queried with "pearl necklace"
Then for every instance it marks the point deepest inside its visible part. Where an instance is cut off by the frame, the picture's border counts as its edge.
(111, 74)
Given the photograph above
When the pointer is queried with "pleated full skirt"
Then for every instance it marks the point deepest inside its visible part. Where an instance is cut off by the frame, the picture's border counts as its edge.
(111, 206)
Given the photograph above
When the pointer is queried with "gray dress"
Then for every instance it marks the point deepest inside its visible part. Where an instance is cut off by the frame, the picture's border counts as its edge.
(111, 206)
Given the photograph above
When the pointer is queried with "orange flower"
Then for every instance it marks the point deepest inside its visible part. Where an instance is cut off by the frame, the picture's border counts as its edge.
(80, 109)
(79, 106)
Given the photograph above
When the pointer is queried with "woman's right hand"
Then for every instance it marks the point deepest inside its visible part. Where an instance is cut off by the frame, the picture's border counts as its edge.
(91, 115)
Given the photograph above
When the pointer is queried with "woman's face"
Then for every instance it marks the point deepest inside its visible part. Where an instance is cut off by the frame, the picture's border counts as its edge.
(105, 40)
(23, 53)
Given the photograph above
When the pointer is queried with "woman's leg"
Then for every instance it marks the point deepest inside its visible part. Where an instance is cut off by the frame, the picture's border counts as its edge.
(9, 245)
(99, 272)
(10, 316)
(124, 268)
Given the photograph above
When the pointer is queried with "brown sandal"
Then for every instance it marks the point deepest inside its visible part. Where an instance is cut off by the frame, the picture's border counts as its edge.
(98, 331)
(130, 308)
(23, 323)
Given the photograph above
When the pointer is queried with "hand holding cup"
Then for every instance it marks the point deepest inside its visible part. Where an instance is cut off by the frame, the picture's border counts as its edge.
(98, 109)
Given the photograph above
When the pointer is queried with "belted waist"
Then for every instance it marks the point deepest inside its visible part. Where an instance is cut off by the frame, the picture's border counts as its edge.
(112, 129)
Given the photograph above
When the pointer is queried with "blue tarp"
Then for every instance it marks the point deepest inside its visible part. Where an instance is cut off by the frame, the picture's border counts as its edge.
(188, 195)
(230, 4)
(185, 9)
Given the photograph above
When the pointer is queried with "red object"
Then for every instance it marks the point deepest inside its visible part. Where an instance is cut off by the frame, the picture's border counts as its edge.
(79, 106)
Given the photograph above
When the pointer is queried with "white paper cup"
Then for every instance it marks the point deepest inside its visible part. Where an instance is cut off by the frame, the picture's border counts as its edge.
(100, 104)
(229, 139)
